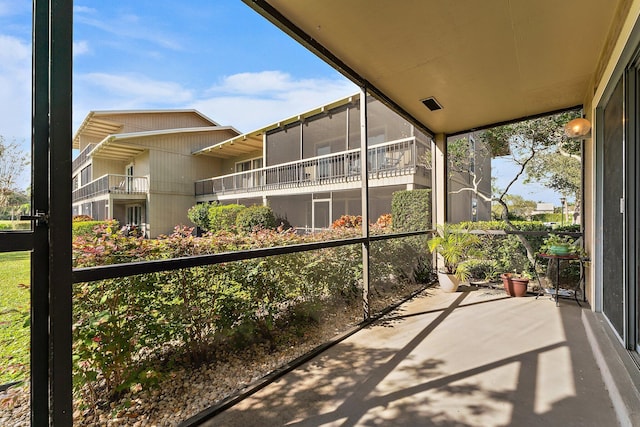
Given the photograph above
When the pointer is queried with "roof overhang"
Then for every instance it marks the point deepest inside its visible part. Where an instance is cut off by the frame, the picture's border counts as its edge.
(123, 146)
(96, 125)
(251, 142)
(484, 62)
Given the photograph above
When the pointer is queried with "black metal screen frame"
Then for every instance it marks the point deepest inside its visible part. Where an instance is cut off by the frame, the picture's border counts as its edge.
(52, 275)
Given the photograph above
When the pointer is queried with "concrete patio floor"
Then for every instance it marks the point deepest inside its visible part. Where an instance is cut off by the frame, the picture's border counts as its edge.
(471, 358)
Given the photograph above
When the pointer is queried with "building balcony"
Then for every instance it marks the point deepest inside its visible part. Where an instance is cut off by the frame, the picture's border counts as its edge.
(123, 185)
(82, 157)
(390, 159)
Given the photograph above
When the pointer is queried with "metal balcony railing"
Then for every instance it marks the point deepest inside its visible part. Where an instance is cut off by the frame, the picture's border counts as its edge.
(82, 157)
(115, 184)
(395, 158)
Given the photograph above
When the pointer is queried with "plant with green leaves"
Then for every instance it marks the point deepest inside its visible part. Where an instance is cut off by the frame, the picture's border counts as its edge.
(455, 246)
(255, 218)
(223, 217)
(560, 245)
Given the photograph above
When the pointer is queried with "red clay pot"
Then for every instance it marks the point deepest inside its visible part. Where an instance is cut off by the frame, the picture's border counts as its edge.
(514, 286)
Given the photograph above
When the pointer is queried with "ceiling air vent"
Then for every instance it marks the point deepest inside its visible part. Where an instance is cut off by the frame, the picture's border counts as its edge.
(432, 104)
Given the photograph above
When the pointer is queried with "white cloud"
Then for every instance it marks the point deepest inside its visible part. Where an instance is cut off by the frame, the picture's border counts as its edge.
(246, 101)
(103, 91)
(249, 101)
(80, 47)
(127, 26)
(134, 89)
(83, 9)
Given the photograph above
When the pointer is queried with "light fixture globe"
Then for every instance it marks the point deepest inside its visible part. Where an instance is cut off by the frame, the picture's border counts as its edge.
(577, 128)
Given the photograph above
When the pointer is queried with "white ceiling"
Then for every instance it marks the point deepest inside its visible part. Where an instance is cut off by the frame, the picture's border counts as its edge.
(485, 61)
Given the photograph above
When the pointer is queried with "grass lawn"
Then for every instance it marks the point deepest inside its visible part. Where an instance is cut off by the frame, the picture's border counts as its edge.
(6, 224)
(14, 311)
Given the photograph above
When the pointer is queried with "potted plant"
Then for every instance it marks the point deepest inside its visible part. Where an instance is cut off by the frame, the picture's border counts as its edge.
(454, 246)
(556, 244)
(515, 285)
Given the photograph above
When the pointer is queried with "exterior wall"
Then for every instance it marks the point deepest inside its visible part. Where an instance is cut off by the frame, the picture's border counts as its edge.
(140, 122)
(183, 143)
(165, 211)
(105, 166)
(87, 139)
(612, 60)
(168, 162)
(466, 205)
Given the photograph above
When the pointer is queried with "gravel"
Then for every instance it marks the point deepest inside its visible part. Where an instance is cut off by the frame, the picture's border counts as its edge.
(186, 392)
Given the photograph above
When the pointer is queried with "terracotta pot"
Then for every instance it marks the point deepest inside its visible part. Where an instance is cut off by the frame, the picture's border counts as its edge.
(514, 286)
(448, 282)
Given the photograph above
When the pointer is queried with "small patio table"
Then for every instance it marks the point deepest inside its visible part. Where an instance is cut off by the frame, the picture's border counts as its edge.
(557, 258)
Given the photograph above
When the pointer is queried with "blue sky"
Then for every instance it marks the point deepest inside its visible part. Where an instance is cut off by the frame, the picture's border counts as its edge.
(219, 57)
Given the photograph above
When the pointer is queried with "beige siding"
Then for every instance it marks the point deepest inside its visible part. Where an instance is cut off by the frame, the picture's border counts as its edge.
(103, 166)
(171, 173)
(87, 139)
(182, 143)
(206, 167)
(166, 211)
(141, 165)
(141, 122)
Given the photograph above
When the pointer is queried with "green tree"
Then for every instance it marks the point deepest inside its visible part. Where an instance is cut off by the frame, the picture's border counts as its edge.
(530, 142)
(541, 152)
(17, 203)
(199, 215)
(12, 162)
(559, 170)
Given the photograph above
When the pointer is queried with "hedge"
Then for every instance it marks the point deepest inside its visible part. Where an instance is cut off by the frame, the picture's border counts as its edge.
(254, 218)
(125, 328)
(411, 210)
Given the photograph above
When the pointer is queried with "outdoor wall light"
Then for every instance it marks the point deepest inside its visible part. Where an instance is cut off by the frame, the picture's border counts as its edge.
(577, 128)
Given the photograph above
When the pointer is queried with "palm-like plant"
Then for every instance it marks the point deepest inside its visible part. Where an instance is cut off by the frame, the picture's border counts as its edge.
(455, 246)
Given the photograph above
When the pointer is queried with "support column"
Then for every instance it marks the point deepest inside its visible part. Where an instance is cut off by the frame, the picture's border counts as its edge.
(40, 203)
(364, 178)
(60, 280)
(439, 180)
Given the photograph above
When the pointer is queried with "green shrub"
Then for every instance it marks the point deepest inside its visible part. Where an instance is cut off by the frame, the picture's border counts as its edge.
(411, 210)
(255, 218)
(15, 225)
(506, 249)
(481, 269)
(223, 217)
(199, 215)
(87, 228)
(124, 327)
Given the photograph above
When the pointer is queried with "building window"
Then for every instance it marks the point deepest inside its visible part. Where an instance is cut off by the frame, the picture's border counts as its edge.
(249, 165)
(85, 175)
(249, 180)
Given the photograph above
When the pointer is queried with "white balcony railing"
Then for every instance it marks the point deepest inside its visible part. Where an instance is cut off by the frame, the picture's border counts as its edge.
(401, 157)
(116, 184)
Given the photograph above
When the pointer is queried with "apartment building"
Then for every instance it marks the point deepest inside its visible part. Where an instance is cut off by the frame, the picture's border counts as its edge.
(147, 168)
(138, 167)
